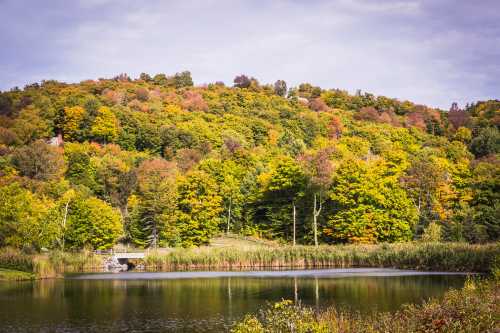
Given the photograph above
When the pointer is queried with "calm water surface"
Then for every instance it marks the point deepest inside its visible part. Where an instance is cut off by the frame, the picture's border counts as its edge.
(201, 301)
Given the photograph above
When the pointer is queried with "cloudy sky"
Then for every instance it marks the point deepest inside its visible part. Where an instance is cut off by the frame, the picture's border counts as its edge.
(429, 51)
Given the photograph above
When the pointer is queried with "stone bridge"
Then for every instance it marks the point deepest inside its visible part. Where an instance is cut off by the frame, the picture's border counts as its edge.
(119, 261)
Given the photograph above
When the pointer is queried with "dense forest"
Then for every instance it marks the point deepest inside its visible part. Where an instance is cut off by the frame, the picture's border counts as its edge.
(156, 161)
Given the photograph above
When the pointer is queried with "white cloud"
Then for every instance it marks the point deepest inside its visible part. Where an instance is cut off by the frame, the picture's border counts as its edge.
(385, 47)
(382, 7)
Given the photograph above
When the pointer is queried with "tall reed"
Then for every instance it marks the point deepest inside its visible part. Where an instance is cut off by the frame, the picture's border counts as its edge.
(424, 256)
(50, 265)
(43, 268)
(71, 262)
(14, 259)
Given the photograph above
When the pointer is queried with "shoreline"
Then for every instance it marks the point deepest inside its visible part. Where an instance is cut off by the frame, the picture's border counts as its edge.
(214, 272)
(11, 275)
(308, 273)
(429, 257)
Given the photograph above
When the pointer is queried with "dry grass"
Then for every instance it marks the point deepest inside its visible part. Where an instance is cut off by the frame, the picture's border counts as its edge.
(51, 265)
(424, 256)
(241, 242)
(13, 275)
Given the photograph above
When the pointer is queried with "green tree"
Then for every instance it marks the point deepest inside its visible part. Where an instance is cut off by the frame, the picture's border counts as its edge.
(485, 223)
(231, 178)
(80, 170)
(6, 107)
(368, 205)
(487, 142)
(200, 207)
(286, 186)
(154, 214)
(115, 176)
(92, 223)
(23, 219)
(160, 79)
(30, 126)
(182, 79)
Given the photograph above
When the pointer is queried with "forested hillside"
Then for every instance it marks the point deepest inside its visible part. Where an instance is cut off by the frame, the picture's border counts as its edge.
(156, 161)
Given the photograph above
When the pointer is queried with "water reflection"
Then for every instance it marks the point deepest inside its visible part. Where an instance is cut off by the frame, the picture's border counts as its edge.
(197, 304)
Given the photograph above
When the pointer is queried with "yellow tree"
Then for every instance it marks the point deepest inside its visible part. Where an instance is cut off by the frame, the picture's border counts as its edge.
(368, 204)
(23, 218)
(200, 208)
(105, 126)
(73, 118)
(428, 181)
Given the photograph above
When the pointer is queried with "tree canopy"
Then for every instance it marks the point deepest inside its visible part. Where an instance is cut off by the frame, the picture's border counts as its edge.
(156, 161)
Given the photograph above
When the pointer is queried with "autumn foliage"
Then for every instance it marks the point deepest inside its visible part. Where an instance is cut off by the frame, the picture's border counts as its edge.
(156, 161)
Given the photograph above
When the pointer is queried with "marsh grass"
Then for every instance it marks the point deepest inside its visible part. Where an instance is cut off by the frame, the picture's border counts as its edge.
(51, 265)
(14, 275)
(72, 262)
(14, 259)
(422, 256)
(474, 308)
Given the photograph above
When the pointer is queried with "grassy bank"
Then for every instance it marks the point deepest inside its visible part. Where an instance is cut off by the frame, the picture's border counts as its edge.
(50, 265)
(13, 275)
(431, 256)
(424, 256)
(475, 308)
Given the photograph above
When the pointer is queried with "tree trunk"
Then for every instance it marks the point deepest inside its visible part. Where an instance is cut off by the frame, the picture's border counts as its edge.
(229, 215)
(64, 224)
(316, 212)
(294, 223)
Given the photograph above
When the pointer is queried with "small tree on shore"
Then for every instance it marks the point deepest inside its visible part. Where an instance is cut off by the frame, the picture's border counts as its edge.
(288, 181)
(318, 168)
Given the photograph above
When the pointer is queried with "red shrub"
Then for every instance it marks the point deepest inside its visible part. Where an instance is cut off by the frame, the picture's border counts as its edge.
(187, 158)
(335, 128)
(367, 113)
(318, 104)
(142, 94)
(193, 101)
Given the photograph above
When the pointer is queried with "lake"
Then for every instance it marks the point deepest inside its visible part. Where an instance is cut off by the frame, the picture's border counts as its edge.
(202, 301)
